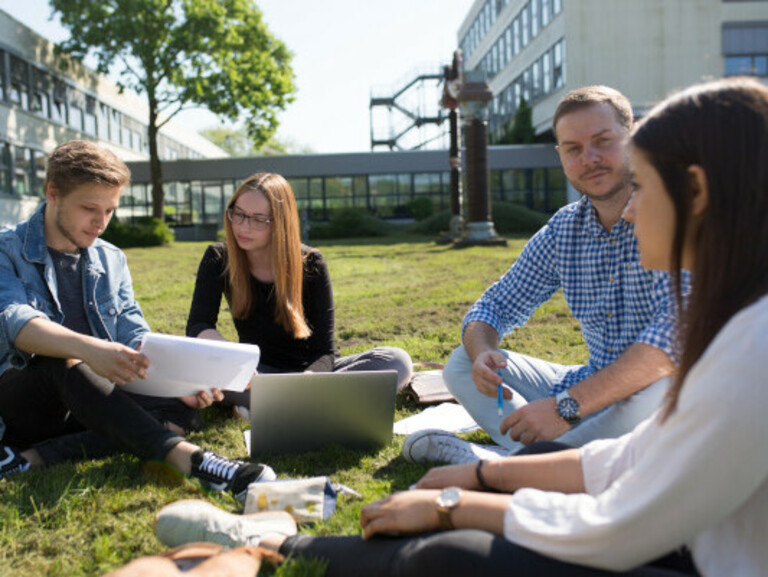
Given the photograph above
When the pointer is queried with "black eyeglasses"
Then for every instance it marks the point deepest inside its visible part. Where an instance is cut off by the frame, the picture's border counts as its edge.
(238, 217)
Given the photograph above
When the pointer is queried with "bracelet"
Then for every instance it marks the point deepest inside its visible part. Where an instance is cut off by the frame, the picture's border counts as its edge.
(480, 478)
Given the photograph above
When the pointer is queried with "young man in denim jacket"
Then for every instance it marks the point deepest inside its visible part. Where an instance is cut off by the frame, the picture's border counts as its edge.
(70, 329)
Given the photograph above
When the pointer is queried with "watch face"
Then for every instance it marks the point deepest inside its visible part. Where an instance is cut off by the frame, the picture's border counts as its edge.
(449, 497)
(568, 408)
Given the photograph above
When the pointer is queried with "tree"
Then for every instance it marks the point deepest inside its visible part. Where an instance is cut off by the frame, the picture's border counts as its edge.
(217, 54)
(520, 130)
(236, 142)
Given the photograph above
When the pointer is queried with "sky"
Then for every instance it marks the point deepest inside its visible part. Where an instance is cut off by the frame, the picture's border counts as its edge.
(342, 49)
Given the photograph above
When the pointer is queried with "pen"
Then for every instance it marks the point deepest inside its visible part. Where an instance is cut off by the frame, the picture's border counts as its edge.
(500, 397)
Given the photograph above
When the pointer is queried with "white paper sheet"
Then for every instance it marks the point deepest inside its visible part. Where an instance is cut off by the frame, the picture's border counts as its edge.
(180, 366)
(445, 416)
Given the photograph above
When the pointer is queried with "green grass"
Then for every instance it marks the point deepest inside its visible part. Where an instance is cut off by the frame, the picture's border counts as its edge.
(91, 517)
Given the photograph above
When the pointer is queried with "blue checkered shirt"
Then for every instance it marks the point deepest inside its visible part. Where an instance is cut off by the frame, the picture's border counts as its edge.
(616, 301)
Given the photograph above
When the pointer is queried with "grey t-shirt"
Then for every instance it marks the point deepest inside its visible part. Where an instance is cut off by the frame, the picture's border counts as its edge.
(69, 278)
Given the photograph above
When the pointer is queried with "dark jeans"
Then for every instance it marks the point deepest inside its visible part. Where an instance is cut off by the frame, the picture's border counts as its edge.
(72, 413)
(459, 553)
(453, 553)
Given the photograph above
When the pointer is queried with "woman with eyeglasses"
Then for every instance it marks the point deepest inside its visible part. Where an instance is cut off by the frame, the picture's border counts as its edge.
(278, 290)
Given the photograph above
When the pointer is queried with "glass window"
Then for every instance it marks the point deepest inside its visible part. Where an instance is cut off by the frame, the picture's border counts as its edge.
(546, 72)
(546, 14)
(338, 192)
(557, 6)
(3, 95)
(736, 65)
(90, 115)
(76, 106)
(761, 65)
(38, 173)
(536, 79)
(59, 108)
(508, 43)
(19, 93)
(103, 121)
(525, 25)
(41, 97)
(535, 18)
(115, 123)
(516, 35)
(5, 167)
(22, 170)
(558, 65)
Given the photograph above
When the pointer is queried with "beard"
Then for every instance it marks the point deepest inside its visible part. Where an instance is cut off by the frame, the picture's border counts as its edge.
(621, 185)
(66, 233)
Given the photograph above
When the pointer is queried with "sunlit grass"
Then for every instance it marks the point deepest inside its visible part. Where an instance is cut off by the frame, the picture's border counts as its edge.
(88, 518)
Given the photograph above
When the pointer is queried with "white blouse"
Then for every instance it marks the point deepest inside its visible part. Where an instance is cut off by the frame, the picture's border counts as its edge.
(699, 479)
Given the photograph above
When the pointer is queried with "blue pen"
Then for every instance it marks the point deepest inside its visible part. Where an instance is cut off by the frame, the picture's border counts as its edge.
(500, 397)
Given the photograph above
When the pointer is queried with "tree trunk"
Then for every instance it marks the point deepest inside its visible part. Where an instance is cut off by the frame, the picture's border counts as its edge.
(155, 168)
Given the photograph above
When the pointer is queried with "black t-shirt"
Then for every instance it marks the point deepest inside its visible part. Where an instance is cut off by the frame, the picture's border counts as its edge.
(279, 349)
(69, 282)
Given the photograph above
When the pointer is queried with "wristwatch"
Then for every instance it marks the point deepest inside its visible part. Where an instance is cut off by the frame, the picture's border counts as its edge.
(447, 501)
(568, 408)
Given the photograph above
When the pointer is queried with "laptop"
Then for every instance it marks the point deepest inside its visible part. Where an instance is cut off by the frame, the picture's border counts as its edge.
(298, 412)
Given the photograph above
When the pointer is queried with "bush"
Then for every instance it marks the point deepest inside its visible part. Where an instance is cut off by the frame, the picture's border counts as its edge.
(508, 218)
(434, 225)
(420, 208)
(144, 232)
(350, 223)
(511, 218)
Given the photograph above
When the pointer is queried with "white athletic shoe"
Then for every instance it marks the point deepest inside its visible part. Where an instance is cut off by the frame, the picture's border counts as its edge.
(436, 446)
(191, 521)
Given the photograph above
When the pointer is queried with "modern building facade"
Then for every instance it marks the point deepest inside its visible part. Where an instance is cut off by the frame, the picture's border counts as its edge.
(42, 106)
(540, 49)
(196, 191)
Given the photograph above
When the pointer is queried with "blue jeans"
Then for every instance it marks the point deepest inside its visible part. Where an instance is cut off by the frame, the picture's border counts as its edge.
(532, 379)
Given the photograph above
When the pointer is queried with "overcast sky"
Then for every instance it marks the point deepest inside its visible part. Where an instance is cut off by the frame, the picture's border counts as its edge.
(342, 49)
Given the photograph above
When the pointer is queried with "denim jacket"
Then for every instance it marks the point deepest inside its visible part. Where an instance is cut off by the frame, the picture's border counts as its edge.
(28, 290)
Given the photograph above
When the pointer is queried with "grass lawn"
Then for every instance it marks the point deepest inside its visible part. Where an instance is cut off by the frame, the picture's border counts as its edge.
(91, 517)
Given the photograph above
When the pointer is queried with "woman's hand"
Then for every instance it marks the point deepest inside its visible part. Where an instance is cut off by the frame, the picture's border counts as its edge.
(463, 476)
(202, 399)
(405, 512)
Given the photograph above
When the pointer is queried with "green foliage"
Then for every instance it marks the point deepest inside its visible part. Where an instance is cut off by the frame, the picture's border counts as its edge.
(509, 218)
(520, 130)
(215, 54)
(236, 141)
(144, 232)
(420, 208)
(351, 223)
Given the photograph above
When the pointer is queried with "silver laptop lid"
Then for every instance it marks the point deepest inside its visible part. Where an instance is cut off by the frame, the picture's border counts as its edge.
(298, 412)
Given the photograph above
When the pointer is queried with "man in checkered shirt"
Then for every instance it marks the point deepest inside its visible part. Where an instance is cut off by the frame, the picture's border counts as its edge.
(626, 312)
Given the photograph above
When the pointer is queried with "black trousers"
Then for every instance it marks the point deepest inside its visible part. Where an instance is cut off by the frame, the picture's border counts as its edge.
(459, 553)
(71, 413)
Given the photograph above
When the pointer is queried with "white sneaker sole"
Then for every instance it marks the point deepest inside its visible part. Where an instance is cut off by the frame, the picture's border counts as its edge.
(192, 521)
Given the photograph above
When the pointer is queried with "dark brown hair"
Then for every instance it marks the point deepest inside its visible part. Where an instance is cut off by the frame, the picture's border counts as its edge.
(589, 96)
(81, 162)
(287, 261)
(721, 127)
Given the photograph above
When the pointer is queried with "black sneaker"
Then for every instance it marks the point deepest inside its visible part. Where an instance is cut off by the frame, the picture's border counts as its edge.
(11, 462)
(222, 474)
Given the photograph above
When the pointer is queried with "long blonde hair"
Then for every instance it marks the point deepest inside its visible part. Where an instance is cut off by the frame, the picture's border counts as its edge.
(287, 260)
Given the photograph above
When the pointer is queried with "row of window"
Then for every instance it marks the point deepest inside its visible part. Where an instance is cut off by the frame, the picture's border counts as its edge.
(383, 194)
(22, 170)
(544, 76)
(525, 26)
(747, 65)
(27, 87)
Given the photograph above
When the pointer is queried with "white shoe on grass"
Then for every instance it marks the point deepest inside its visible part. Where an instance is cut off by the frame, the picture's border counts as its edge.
(192, 521)
(436, 446)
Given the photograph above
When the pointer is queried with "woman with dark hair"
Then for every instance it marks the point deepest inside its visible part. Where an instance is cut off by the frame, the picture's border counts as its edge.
(278, 290)
(686, 492)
